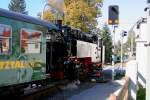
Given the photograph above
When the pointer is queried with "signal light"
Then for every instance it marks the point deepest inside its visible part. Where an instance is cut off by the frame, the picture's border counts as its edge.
(116, 21)
(113, 15)
(109, 21)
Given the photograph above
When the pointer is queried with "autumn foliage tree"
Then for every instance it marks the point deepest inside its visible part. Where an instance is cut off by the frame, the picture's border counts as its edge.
(78, 14)
(48, 16)
(81, 14)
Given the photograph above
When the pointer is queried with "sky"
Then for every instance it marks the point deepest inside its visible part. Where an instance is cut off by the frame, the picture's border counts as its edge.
(130, 11)
(32, 6)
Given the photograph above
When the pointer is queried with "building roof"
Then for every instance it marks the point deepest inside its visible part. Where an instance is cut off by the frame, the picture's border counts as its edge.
(26, 18)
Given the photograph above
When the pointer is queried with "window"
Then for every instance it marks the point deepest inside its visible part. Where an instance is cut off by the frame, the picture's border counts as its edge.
(30, 41)
(5, 39)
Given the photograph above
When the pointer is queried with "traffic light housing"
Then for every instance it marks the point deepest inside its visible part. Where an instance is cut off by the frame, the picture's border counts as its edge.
(113, 18)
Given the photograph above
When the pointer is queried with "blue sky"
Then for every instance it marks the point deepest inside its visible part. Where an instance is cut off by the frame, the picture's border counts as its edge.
(32, 6)
(130, 11)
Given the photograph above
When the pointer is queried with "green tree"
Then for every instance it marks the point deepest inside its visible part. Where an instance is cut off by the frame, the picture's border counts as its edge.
(118, 48)
(107, 42)
(18, 6)
(130, 39)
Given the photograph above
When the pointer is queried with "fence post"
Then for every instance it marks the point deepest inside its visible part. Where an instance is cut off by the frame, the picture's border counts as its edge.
(131, 72)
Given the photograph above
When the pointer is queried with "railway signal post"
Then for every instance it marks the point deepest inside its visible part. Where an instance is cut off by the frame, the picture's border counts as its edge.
(123, 33)
(113, 20)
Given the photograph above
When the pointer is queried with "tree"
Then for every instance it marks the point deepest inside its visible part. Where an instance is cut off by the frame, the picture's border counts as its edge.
(107, 42)
(47, 15)
(130, 39)
(77, 13)
(81, 14)
(18, 6)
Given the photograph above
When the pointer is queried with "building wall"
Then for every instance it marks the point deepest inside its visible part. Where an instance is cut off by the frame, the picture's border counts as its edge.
(141, 53)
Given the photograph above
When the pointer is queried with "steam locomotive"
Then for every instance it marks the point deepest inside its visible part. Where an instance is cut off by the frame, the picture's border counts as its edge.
(78, 48)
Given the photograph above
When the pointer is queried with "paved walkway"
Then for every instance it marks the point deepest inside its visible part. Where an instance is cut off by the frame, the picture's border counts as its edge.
(88, 91)
(98, 92)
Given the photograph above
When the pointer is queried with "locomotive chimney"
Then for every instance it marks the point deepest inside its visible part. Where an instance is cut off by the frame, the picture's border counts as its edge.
(58, 23)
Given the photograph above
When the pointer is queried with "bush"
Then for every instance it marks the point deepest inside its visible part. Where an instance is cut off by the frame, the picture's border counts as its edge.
(141, 94)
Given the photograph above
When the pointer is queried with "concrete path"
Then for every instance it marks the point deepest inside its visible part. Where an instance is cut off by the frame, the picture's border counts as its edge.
(101, 91)
(87, 91)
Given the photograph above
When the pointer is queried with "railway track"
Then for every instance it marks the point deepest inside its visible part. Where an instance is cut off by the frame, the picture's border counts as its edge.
(40, 93)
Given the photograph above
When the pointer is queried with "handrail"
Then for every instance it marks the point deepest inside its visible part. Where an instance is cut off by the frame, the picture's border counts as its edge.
(123, 94)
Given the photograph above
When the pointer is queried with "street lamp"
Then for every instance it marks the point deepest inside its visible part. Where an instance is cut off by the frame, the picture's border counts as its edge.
(55, 11)
(131, 31)
(42, 17)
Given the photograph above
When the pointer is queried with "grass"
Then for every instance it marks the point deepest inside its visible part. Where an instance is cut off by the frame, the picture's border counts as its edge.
(141, 94)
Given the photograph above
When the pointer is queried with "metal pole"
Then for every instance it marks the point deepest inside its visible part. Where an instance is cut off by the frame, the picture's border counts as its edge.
(113, 51)
(122, 50)
(103, 58)
(101, 51)
(131, 45)
(42, 15)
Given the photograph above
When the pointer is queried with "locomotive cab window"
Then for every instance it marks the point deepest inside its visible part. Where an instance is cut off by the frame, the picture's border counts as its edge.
(30, 41)
(5, 39)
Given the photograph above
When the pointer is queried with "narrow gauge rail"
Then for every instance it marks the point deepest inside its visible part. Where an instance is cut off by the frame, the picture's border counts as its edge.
(43, 92)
